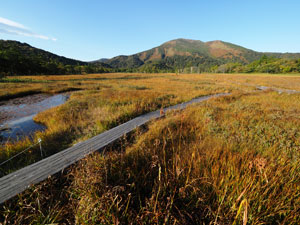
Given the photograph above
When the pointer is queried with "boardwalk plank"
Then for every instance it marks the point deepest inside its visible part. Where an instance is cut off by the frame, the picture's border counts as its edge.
(20, 180)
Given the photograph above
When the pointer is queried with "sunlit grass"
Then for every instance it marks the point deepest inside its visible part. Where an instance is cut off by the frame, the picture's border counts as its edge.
(102, 102)
(232, 159)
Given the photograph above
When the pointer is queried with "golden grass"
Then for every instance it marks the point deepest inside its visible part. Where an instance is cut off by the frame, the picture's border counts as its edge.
(229, 160)
(103, 102)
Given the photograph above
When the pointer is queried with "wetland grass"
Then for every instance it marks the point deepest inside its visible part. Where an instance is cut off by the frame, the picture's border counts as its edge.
(230, 160)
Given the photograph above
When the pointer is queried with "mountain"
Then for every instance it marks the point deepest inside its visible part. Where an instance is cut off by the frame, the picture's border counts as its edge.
(22, 59)
(181, 53)
(102, 60)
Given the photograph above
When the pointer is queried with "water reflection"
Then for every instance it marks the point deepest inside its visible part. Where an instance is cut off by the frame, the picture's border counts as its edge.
(17, 119)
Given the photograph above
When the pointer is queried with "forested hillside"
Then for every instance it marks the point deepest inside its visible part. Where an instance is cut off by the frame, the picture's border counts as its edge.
(22, 59)
(193, 56)
(179, 56)
(266, 64)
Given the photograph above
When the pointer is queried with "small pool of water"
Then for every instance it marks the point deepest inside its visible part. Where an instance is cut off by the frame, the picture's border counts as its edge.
(16, 119)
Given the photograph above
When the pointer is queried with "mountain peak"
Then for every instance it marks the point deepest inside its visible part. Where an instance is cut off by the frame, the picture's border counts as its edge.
(215, 41)
(182, 41)
(183, 52)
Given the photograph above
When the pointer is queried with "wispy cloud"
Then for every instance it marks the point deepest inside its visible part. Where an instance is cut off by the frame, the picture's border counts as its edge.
(11, 27)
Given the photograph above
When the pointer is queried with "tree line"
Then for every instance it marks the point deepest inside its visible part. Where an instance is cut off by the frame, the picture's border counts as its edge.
(21, 59)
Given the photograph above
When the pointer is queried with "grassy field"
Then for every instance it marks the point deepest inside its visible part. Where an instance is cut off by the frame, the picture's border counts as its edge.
(230, 160)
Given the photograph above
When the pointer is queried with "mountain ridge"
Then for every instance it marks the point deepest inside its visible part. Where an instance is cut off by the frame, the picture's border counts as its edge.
(178, 55)
(182, 52)
(17, 58)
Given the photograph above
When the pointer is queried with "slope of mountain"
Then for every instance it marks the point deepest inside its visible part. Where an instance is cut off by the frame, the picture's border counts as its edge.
(102, 60)
(22, 59)
(181, 53)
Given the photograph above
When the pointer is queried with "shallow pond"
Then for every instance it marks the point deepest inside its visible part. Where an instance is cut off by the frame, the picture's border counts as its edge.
(16, 115)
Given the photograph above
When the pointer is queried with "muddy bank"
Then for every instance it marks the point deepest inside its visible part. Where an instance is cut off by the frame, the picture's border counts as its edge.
(16, 115)
(18, 107)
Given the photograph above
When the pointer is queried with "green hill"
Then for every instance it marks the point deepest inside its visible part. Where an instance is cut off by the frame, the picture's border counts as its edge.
(184, 53)
(18, 58)
(180, 55)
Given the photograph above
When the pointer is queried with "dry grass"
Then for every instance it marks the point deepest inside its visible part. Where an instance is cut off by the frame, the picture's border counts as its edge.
(103, 102)
(230, 160)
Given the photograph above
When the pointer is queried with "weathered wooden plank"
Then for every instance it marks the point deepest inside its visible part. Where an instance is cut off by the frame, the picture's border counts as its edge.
(20, 180)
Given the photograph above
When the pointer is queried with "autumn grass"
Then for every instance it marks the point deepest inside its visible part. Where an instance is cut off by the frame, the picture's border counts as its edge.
(230, 160)
(56, 84)
(103, 102)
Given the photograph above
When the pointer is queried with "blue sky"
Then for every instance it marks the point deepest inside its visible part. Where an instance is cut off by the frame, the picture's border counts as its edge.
(93, 29)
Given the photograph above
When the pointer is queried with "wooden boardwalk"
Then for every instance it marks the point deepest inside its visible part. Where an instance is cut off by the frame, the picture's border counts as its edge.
(20, 180)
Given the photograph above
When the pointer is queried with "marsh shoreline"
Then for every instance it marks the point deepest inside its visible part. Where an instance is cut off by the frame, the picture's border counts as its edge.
(16, 118)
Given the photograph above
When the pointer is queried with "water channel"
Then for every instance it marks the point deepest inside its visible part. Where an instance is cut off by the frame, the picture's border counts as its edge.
(16, 115)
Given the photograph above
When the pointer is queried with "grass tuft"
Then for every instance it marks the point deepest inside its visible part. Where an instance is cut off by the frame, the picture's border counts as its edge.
(230, 160)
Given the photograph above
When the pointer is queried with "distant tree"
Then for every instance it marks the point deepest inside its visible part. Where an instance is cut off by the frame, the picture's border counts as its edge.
(2, 75)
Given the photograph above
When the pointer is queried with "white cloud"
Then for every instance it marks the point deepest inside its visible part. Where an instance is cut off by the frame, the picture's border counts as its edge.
(11, 27)
(11, 23)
